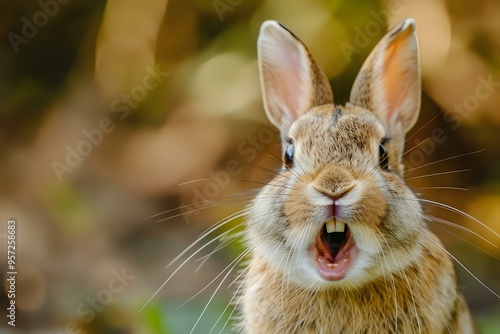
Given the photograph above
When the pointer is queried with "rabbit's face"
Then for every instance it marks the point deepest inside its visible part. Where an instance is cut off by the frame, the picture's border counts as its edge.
(336, 214)
(339, 212)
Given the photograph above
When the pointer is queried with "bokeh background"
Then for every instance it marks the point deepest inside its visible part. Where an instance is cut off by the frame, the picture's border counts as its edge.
(168, 92)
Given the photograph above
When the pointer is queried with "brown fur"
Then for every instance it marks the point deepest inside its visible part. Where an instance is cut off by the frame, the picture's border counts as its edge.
(423, 299)
(401, 280)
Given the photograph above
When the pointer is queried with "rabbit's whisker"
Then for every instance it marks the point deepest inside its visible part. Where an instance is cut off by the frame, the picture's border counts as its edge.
(280, 161)
(465, 268)
(230, 265)
(235, 203)
(460, 212)
(287, 267)
(280, 173)
(435, 174)
(441, 188)
(223, 243)
(403, 246)
(382, 255)
(205, 179)
(235, 305)
(467, 241)
(454, 210)
(189, 258)
(427, 123)
(423, 126)
(216, 202)
(414, 147)
(234, 264)
(460, 227)
(268, 184)
(445, 159)
(215, 227)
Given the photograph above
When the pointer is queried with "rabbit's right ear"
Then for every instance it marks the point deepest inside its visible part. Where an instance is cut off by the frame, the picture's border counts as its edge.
(291, 80)
(389, 81)
(389, 85)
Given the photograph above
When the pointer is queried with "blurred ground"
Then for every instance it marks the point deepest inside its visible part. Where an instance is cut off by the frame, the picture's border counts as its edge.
(108, 109)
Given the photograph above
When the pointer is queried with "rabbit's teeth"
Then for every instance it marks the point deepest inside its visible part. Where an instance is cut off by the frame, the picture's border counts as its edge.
(330, 226)
(333, 225)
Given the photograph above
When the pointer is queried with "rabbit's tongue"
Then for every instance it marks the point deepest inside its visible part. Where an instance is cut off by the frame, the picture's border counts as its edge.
(333, 254)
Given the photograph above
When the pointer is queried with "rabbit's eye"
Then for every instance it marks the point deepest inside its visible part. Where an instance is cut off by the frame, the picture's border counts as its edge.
(383, 157)
(289, 155)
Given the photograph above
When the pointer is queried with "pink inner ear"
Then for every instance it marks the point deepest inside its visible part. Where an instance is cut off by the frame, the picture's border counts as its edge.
(289, 75)
(292, 82)
(400, 81)
(395, 76)
(292, 78)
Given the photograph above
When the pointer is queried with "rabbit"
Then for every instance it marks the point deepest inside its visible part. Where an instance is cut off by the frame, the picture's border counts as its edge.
(339, 242)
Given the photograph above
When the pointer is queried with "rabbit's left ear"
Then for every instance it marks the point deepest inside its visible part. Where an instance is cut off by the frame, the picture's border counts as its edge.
(389, 81)
(292, 81)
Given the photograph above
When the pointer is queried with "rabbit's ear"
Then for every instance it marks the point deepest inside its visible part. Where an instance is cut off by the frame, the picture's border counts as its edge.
(389, 80)
(291, 80)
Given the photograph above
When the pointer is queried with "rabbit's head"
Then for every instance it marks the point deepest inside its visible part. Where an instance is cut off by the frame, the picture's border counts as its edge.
(339, 212)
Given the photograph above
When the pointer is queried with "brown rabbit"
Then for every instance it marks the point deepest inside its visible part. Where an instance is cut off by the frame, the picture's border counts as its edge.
(338, 241)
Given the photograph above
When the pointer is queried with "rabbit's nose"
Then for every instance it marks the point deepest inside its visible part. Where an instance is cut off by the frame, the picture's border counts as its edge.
(334, 182)
(337, 194)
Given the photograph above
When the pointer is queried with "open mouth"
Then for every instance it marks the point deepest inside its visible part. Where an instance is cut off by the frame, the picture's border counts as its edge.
(334, 250)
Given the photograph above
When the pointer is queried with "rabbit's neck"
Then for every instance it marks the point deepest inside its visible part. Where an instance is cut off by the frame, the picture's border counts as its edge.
(421, 298)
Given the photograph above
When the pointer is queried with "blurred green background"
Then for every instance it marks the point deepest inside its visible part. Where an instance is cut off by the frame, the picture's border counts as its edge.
(112, 112)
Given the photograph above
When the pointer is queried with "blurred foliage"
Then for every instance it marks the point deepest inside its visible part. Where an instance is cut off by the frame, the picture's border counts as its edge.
(93, 61)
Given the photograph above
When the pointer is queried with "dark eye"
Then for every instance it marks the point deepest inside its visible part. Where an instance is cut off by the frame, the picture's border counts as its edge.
(288, 159)
(383, 157)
